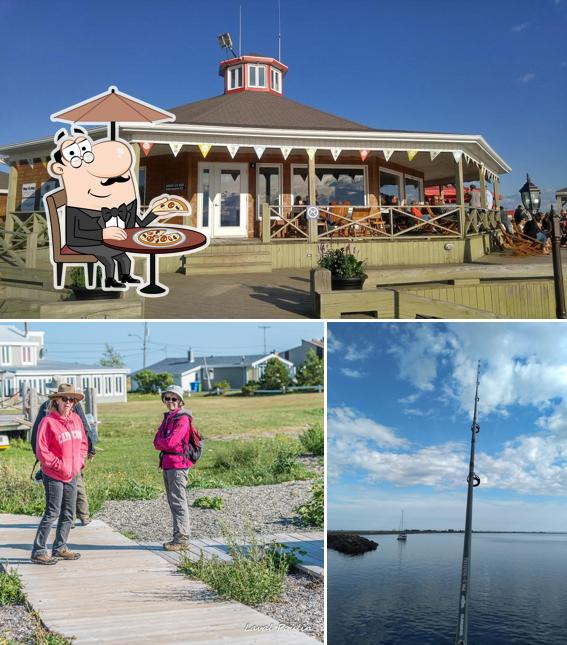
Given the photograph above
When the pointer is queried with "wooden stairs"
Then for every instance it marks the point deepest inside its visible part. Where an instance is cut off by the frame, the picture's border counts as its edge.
(217, 258)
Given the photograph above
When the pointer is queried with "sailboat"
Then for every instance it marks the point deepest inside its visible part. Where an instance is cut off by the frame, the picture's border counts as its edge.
(402, 535)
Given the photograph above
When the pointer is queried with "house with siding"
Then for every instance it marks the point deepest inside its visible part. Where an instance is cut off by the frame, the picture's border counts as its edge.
(297, 355)
(23, 363)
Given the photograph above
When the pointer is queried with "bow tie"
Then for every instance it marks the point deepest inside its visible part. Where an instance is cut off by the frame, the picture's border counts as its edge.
(121, 212)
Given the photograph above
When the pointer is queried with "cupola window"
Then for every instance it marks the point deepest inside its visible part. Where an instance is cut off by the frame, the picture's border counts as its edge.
(276, 80)
(235, 77)
(256, 76)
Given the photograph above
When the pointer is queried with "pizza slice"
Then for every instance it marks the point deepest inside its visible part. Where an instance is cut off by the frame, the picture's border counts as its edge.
(170, 205)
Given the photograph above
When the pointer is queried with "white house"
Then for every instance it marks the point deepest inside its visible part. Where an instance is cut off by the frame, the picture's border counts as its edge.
(23, 363)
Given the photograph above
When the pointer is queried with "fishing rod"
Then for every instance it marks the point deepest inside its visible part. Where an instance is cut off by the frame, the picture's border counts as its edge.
(473, 481)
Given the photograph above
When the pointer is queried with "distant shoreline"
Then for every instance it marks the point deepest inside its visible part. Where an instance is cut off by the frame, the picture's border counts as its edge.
(449, 531)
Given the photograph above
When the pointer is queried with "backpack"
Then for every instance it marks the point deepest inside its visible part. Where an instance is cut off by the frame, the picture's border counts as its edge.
(193, 449)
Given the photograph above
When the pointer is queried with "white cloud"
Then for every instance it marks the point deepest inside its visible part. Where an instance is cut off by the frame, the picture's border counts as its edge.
(344, 422)
(526, 78)
(358, 353)
(411, 398)
(519, 28)
(417, 412)
(333, 343)
(352, 373)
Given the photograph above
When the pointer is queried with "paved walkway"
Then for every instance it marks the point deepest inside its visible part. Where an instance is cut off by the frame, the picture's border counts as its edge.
(311, 561)
(120, 592)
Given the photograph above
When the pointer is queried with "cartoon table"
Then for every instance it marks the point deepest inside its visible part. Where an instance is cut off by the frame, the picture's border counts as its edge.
(190, 241)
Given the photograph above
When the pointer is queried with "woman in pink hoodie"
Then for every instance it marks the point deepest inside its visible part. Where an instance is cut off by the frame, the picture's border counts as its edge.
(172, 439)
(61, 449)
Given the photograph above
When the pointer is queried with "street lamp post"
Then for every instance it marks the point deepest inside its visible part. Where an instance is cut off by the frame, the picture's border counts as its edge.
(531, 199)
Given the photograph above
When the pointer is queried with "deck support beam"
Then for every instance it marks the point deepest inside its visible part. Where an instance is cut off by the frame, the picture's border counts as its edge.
(460, 194)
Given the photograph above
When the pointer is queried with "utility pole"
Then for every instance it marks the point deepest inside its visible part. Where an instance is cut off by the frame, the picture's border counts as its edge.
(264, 328)
(473, 481)
(145, 345)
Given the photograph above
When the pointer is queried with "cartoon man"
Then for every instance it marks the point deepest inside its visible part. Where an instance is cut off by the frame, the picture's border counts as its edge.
(102, 199)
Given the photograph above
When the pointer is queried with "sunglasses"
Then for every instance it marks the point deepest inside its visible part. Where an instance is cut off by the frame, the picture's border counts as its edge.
(170, 398)
(67, 399)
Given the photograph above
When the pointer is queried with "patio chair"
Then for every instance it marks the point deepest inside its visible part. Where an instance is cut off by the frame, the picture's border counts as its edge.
(62, 254)
(360, 230)
(339, 218)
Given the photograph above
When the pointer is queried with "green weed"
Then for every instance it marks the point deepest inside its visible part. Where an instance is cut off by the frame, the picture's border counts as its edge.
(313, 440)
(11, 592)
(313, 512)
(215, 503)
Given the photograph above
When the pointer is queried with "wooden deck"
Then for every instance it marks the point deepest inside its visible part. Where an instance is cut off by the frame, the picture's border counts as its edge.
(312, 562)
(120, 592)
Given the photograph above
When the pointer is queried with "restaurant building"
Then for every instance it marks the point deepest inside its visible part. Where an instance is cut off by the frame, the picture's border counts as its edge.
(250, 160)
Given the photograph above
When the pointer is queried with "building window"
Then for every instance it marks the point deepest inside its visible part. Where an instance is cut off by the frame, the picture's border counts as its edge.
(256, 76)
(27, 355)
(235, 77)
(96, 384)
(85, 383)
(142, 184)
(276, 80)
(390, 188)
(28, 197)
(118, 385)
(413, 189)
(6, 355)
(206, 181)
(338, 184)
(269, 187)
(107, 385)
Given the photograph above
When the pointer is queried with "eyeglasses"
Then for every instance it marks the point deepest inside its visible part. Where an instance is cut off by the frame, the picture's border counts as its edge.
(170, 398)
(67, 399)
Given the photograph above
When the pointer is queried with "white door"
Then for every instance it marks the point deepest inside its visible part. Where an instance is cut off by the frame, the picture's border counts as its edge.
(223, 203)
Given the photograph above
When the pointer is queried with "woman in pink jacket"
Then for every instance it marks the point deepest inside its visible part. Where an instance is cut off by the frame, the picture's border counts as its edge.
(61, 449)
(172, 439)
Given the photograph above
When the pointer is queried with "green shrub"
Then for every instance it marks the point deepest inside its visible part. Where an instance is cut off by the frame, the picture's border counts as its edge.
(250, 388)
(250, 578)
(313, 512)
(222, 386)
(313, 439)
(236, 455)
(285, 461)
(11, 592)
(342, 262)
(275, 376)
(215, 503)
(284, 554)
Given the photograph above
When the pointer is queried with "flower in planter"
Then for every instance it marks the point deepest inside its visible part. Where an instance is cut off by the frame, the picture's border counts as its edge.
(342, 263)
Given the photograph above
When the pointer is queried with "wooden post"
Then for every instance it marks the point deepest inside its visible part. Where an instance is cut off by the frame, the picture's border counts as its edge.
(497, 193)
(10, 207)
(266, 223)
(136, 170)
(460, 193)
(90, 403)
(482, 178)
(31, 250)
(313, 230)
(33, 405)
(312, 181)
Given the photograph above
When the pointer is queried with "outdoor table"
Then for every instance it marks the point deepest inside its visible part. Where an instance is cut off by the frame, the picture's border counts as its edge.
(193, 240)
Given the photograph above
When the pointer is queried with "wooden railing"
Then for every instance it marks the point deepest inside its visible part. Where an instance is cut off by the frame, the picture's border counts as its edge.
(23, 234)
(376, 222)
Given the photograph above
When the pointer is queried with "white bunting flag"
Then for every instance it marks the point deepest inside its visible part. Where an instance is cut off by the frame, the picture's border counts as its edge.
(467, 159)
(204, 148)
(434, 154)
(259, 151)
(285, 151)
(311, 152)
(146, 147)
(457, 154)
(233, 149)
(388, 152)
(336, 152)
(30, 163)
(175, 148)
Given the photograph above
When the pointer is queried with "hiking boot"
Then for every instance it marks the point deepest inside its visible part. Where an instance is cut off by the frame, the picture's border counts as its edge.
(175, 545)
(85, 521)
(43, 558)
(66, 554)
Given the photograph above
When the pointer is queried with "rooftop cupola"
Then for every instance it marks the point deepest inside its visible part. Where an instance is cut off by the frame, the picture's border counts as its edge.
(252, 73)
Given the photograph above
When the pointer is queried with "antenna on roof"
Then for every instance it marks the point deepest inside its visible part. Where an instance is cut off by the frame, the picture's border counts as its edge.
(225, 42)
(279, 31)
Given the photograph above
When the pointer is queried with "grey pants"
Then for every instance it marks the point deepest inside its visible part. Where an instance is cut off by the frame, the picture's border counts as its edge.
(176, 488)
(60, 501)
(107, 256)
(82, 507)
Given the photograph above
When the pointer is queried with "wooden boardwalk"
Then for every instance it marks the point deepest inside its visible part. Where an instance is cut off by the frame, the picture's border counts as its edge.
(311, 561)
(120, 592)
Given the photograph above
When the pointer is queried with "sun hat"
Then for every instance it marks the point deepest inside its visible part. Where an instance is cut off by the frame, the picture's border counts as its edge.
(174, 389)
(66, 389)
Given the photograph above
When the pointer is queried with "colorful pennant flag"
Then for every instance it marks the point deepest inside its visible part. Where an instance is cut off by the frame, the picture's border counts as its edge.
(233, 149)
(388, 152)
(457, 154)
(259, 151)
(311, 152)
(146, 147)
(411, 154)
(363, 154)
(204, 148)
(285, 151)
(336, 152)
(175, 148)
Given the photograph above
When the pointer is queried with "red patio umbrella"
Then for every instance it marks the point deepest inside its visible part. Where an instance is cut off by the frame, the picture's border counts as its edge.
(112, 106)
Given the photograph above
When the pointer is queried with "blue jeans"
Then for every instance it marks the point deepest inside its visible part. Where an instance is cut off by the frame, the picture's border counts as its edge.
(60, 501)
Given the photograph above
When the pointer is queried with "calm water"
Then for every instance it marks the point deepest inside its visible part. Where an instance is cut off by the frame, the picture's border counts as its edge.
(407, 593)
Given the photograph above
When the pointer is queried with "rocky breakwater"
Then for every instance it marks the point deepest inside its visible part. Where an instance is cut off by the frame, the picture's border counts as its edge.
(350, 543)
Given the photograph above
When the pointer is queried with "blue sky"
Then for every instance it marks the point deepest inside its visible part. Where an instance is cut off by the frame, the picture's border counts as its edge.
(85, 342)
(494, 68)
(400, 400)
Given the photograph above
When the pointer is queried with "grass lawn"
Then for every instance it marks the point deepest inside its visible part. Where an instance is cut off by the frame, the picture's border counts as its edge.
(241, 448)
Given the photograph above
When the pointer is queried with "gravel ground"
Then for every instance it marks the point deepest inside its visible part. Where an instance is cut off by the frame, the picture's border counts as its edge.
(267, 509)
(16, 625)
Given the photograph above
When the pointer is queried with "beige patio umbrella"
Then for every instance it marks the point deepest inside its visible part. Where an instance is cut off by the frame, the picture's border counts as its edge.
(110, 107)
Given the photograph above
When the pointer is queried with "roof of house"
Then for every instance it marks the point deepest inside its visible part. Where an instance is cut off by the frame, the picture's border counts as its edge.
(260, 110)
(9, 334)
(562, 190)
(4, 179)
(317, 342)
(59, 366)
(182, 365)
